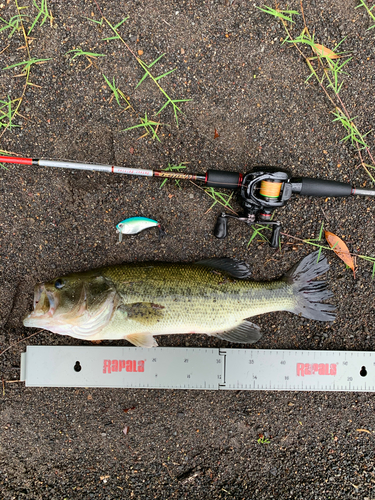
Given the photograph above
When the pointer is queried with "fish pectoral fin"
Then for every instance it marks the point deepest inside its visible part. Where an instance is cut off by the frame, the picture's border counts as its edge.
(233, 267)
(142, 340)
(245, 333)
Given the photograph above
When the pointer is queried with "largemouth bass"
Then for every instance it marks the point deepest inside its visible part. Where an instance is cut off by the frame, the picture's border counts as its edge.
(215, 297)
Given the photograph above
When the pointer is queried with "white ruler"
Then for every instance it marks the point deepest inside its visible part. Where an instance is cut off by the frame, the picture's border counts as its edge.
(198, 368)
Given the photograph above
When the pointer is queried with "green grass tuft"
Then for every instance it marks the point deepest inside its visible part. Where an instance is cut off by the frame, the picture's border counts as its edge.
(14, 24)
(150, 127)
(42, 15)
(369, 11)
(7, 113)
(79, 52)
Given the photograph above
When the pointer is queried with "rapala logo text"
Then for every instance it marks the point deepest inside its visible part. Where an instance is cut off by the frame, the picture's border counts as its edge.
(316, 369)
(118, 365)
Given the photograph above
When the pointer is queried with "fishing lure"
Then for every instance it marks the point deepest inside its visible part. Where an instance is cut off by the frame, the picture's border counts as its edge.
(135, 225)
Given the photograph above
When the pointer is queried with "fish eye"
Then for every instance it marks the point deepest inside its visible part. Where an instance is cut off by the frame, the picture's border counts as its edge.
(120, 225)
(59, 284)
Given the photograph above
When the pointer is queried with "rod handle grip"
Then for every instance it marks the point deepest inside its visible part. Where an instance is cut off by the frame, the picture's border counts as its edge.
(222, 179)
(307, 186)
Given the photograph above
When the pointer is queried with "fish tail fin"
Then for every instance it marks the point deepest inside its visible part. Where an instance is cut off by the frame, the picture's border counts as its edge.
(309, 294)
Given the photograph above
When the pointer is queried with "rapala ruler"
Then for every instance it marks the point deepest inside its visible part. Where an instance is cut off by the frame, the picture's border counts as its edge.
(198, 368)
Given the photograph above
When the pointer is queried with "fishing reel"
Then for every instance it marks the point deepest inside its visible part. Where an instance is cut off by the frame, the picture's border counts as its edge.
(262, 192)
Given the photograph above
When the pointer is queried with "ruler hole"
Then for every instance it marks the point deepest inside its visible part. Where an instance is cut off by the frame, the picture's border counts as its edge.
(77, 366)
(363, 371)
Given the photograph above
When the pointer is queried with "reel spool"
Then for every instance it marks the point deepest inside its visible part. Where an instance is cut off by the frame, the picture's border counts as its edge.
(261, 193)
(270, 189)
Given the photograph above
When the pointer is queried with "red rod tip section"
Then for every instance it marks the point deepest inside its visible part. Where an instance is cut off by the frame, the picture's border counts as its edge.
(16, 160)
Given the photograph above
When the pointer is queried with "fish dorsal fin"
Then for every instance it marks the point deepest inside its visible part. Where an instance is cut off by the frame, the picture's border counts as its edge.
(233, 267)
(245, 333)
(141, 340)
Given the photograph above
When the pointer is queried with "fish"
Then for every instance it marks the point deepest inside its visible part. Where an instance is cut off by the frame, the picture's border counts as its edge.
(135, 301)
(135, 225)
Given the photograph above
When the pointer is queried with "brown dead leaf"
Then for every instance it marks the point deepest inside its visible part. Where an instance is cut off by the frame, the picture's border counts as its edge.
(340, 249)
(322, 51)
(216, 134)
(128, 409)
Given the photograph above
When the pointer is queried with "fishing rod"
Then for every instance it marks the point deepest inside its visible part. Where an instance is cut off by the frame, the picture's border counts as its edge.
(262, 191)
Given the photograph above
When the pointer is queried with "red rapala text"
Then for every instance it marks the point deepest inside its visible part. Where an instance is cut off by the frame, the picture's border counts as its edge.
(316, 369)
(119, 365)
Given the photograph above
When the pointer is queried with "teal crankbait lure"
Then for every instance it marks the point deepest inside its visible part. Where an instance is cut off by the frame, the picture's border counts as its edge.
(135, 225)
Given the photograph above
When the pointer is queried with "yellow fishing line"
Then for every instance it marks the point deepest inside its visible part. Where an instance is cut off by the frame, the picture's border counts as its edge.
(270, 189)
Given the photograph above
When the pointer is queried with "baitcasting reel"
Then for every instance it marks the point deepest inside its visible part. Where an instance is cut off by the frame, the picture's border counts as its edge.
(262, 192)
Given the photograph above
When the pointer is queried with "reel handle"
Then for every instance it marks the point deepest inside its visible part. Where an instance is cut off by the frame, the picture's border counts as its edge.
(220, 230)
(275, 236)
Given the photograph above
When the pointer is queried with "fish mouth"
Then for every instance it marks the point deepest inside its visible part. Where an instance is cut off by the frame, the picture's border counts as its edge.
(44, 306)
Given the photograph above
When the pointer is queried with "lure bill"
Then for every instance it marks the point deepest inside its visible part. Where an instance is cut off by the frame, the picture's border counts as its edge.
(135, 225)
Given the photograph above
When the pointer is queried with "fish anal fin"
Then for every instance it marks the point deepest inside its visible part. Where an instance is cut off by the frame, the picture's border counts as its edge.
(233, 267)
(244, 333)
(141, 340)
